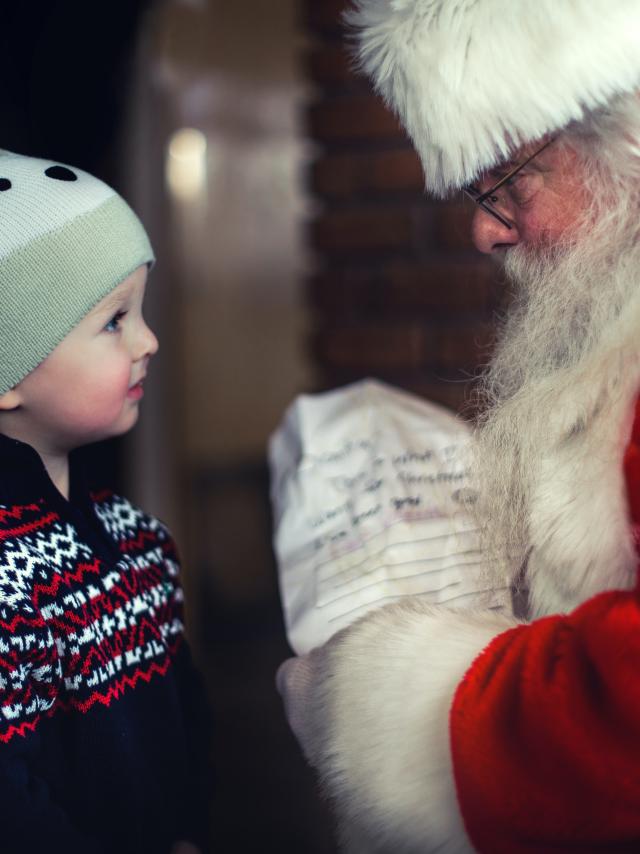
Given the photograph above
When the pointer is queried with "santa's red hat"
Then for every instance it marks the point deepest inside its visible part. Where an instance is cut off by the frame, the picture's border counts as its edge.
(472, 79)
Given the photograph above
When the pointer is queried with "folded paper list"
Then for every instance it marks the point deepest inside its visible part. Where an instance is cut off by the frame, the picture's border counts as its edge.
(371, 492)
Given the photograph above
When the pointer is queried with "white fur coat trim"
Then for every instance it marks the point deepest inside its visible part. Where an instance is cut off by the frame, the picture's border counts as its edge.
(471, 79)
(381, 734)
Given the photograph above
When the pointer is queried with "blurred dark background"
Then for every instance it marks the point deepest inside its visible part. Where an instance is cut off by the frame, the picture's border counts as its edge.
(296, 252)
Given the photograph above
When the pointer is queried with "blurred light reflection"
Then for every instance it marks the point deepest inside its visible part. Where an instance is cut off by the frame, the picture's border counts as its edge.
(186, 163)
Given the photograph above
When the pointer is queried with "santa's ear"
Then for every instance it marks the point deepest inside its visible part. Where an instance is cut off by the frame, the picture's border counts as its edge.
(10, 400)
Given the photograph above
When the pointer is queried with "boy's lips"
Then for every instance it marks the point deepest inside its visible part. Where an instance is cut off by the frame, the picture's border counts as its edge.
(136, 391)
(138, 382)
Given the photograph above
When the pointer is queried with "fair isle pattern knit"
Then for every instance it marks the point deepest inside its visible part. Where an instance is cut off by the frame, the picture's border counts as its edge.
(74, 632)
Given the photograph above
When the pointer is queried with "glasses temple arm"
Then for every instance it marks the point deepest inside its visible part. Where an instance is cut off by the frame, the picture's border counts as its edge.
(513, 171)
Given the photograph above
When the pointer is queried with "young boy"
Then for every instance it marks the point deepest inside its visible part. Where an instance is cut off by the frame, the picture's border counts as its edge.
(102, 718)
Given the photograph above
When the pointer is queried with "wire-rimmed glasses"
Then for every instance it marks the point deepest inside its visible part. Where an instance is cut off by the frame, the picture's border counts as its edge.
(489, 199)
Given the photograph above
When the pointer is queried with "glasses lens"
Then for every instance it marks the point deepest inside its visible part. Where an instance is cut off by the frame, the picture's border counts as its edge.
(487, 204)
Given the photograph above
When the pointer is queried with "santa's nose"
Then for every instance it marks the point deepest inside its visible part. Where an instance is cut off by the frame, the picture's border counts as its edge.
(489, 235)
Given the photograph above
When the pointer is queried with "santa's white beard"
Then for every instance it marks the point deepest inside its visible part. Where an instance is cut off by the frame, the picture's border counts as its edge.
(566, 359)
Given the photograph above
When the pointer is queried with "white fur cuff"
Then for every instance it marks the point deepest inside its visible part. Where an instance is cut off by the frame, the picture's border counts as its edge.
(384, 698)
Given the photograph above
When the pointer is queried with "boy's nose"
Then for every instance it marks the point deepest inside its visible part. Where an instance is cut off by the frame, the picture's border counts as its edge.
(152, 342)
(146, 344)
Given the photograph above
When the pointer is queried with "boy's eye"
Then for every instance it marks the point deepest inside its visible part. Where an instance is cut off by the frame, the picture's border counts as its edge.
(114, 324)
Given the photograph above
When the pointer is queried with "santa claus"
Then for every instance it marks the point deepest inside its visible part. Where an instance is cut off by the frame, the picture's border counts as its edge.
(435, 730)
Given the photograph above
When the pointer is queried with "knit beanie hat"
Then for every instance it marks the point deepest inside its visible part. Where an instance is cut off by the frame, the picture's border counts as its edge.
(471, 81)
(66, 241)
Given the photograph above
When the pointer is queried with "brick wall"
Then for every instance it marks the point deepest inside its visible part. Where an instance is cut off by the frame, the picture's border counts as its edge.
(399, 292)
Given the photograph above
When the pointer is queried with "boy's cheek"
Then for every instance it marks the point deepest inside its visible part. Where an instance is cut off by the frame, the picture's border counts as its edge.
(97, 402)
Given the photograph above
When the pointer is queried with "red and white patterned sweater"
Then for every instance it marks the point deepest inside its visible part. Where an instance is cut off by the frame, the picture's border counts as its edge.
(102, 718)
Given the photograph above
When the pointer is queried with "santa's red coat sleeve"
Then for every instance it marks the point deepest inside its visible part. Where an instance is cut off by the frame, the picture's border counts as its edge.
(545, 727)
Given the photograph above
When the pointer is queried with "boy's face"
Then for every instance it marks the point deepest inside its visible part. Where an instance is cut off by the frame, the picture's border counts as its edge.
(89, 387)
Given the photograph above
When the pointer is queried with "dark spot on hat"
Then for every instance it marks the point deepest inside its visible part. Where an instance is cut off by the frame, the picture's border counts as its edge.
(5, 184)
(60, 173)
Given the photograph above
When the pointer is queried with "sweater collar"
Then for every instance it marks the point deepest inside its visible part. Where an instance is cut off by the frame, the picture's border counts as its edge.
(23, 476)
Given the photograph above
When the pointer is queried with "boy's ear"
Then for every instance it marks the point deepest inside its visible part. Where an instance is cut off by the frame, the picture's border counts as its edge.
(10, 400)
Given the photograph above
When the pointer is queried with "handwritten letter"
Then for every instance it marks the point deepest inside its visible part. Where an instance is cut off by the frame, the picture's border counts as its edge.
(371, 492)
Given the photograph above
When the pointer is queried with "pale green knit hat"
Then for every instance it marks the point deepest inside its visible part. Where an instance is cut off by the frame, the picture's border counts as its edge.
(66, 241)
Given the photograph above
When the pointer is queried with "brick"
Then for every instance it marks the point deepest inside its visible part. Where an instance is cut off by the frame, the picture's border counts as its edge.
(331, 65)
(438, 289)
(345, 292)
(357, 118)
(453, 394)
(452, 228)
(324, 14)
(461, 346)
(400, 294)
(377, 229)
(407, 346)
(442, 287)
(399, 346)
(341, 175)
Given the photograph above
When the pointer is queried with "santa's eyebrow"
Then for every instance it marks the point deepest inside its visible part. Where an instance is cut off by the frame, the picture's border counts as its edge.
(513, 163)
(506, 165)
(514, 166)
(503, 169)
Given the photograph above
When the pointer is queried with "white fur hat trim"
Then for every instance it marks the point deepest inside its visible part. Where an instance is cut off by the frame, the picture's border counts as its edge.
(472, 79)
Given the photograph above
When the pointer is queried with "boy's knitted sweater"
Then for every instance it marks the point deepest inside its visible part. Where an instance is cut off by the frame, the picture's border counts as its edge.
(102, 717)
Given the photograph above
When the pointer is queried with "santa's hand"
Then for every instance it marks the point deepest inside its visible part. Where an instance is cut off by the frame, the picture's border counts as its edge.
(371, 712)
(297, 679)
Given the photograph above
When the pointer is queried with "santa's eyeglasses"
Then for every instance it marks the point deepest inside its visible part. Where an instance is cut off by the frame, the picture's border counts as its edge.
(489, 199)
